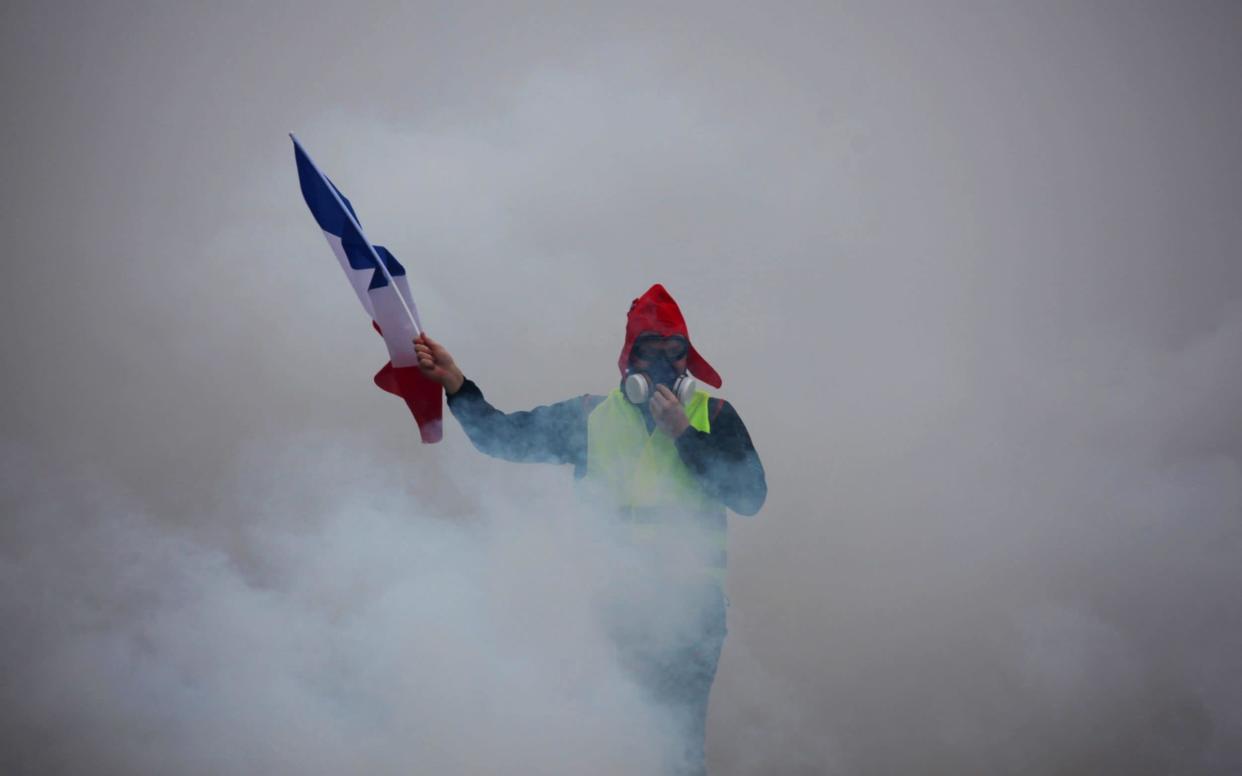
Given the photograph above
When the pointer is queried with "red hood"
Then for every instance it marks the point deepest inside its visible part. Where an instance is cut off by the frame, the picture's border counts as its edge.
(656, 312)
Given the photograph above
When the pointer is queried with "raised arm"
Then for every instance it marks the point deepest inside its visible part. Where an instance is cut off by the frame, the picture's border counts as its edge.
(437, 364)
(554, 433)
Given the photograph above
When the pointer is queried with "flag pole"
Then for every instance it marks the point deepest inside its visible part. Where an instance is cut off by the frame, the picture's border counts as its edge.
(374, 254)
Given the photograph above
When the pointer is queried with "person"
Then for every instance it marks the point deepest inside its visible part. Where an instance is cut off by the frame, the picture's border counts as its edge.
(666, 460)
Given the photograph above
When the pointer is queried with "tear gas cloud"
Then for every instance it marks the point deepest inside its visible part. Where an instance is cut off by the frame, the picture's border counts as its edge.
(357, 632)
(970, 273)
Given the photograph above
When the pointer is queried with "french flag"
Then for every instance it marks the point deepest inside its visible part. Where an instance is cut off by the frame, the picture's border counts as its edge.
(394, 317)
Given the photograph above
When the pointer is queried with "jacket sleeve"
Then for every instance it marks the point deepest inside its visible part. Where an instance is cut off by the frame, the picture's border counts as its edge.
(554, 433)
(725, 462)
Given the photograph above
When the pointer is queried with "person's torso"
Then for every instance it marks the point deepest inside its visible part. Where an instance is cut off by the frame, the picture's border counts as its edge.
(637, 474)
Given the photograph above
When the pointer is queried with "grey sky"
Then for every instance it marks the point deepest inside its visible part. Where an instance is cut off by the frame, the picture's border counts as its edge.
(972, 273)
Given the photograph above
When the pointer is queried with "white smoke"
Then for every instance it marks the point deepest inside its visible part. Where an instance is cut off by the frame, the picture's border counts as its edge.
(970, 272)
(349, 630)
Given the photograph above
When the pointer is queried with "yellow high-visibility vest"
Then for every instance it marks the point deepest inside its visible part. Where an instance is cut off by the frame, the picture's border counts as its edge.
(640, 474)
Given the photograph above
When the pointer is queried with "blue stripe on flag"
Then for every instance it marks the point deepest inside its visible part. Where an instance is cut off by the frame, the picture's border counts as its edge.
(360, 258)
(394, 268)
(319, 198)
(331, 219)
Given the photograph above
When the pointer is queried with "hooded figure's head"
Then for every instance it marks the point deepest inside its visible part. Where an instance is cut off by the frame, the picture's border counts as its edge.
(655, 317)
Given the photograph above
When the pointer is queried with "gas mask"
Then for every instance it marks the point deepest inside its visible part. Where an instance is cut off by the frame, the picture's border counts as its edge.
(639, 386)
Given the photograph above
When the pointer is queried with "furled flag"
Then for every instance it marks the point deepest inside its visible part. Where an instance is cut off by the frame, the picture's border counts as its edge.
(392, 313)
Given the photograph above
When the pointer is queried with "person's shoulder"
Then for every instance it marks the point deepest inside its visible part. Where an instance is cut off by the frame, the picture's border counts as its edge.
(721, 412)
(589, 401)
(715, 405)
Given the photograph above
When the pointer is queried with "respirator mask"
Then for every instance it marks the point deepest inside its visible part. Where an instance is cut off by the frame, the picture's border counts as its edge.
(640, 385)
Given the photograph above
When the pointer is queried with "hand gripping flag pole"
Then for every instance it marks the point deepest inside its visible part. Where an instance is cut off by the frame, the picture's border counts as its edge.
(369, 269)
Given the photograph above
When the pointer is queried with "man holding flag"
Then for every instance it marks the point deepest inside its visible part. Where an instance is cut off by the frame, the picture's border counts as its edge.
(659, 456)
(666, 460)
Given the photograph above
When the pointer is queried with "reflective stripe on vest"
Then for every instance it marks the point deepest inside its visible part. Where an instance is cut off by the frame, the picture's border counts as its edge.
(640, 474)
